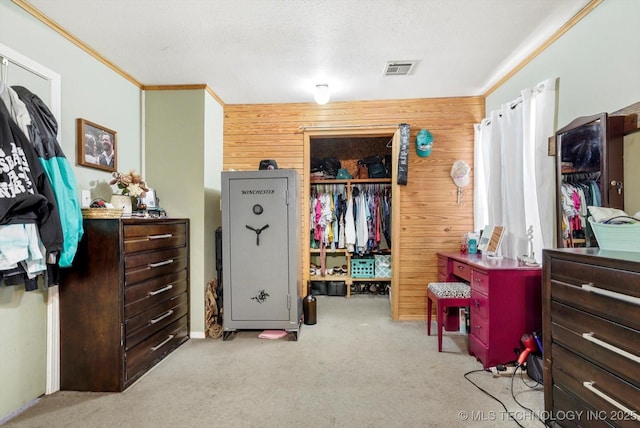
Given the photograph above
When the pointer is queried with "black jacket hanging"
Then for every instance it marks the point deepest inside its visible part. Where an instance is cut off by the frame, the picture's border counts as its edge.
(43, 134)
(25, 193)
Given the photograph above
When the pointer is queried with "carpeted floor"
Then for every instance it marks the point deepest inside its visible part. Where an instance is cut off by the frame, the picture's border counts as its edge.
(354, 368)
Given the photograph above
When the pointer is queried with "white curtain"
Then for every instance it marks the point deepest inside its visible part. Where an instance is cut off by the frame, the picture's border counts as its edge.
(514, 180)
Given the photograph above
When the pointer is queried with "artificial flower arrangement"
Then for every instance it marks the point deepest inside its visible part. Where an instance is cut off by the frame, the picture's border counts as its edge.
(130, 184)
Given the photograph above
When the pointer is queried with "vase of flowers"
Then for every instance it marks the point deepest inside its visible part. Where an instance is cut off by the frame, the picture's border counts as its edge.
(131, 187)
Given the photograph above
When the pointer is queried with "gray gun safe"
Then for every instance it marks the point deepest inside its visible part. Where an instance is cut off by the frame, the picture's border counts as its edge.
(261, 251)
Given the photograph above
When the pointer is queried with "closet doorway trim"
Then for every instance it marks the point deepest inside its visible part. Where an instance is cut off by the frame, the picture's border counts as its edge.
(53, 310)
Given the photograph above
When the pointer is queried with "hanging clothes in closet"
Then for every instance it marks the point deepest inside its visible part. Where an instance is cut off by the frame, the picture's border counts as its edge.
(578, 191)
(31, 231)
(358, 223)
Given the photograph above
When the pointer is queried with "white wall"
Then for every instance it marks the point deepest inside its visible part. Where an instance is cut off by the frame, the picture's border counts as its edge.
(92, 91)
(597, 67)
(595, 62)
(184, 159)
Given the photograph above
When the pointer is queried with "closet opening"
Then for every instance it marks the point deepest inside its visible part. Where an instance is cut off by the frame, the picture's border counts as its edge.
(348, 212)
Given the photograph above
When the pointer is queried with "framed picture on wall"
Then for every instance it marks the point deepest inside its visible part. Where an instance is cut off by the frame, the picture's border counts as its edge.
(96, 146)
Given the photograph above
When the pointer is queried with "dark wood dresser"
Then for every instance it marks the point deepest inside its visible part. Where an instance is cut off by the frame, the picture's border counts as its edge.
(505, 302)
(124, 305)
(591, 337)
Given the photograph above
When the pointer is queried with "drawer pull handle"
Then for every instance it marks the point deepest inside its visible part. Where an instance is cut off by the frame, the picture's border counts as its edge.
(160, 290)
(166, 235)
(610, 347)
(161, 317)
(590, 386)
(460, 267)
(166, 262)
(619, 296)
(164, 342)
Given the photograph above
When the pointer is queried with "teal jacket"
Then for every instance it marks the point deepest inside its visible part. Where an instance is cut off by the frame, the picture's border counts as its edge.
(43, 135)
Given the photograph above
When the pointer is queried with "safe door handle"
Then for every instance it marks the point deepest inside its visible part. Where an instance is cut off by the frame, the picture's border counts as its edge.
(165, 236)
(613, 294)
(166, 262)
(164, 342)
(610, 347)
(590, 386)
(160, 290)
(161, 317)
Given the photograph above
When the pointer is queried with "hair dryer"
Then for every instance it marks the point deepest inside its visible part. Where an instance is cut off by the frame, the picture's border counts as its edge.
(529, 343)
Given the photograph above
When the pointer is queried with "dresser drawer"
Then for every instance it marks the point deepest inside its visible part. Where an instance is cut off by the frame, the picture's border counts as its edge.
(479, 281)
(146, 294)
(461, 270)
(480, 304)
(607, 344)
(147, 323)
(616, 280)
(141, 266)
(154, 348)
(565, 404)
(479, 327)
(613, 307)
(571, 372)
(145, 237)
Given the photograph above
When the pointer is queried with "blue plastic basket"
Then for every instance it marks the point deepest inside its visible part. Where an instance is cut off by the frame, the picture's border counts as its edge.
(617, 237)
(362, 268)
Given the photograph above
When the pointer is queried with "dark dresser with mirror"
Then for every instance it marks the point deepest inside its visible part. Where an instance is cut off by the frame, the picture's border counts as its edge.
(124, 305)
(590, 171)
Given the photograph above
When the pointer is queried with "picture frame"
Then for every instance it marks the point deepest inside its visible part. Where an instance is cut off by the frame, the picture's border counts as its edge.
(491, 240)
(93, 143)
(150, 199)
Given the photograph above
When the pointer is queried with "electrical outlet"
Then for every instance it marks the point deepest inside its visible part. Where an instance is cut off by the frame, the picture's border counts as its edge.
(85, 198)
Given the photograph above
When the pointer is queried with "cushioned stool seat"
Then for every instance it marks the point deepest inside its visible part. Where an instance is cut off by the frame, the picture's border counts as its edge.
(445, 294)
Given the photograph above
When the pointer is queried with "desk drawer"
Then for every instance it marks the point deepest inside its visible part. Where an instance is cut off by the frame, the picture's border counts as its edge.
(442, 267)
(480, 281)
(480, 304)
(461, 270)
(479, 327)
(607, 344)
(144, 237)
(571, 371)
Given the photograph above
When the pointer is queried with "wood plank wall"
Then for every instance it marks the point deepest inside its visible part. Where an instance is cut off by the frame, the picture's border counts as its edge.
(430, 219)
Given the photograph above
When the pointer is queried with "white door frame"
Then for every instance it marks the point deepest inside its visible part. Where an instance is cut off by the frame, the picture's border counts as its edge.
(53, 309)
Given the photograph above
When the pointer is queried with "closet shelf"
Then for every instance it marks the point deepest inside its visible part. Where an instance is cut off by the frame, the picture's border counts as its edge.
(353, 181)
(337, 250)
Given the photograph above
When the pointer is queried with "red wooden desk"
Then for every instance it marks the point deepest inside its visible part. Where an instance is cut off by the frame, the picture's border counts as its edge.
(506, 302)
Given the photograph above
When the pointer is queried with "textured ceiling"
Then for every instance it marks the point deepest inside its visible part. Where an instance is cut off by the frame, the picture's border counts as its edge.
(276, 51)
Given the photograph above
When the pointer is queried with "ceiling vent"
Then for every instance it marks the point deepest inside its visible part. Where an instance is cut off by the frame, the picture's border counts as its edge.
(399, 68)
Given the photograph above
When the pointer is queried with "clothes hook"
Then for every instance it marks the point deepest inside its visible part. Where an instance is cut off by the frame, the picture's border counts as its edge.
(5, 71)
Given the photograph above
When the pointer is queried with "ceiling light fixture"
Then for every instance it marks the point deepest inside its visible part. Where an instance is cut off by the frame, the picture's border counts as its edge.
(322, 94)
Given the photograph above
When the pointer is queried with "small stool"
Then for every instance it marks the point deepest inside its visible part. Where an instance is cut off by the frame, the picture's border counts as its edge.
(445, 294)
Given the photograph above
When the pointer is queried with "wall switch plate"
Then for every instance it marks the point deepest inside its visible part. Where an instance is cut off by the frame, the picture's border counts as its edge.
(85, 198)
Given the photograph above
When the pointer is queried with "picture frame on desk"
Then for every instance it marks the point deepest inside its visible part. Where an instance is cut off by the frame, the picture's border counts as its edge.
(491, 240)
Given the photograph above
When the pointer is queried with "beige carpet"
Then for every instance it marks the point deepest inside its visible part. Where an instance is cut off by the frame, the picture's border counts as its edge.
(355, 368)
